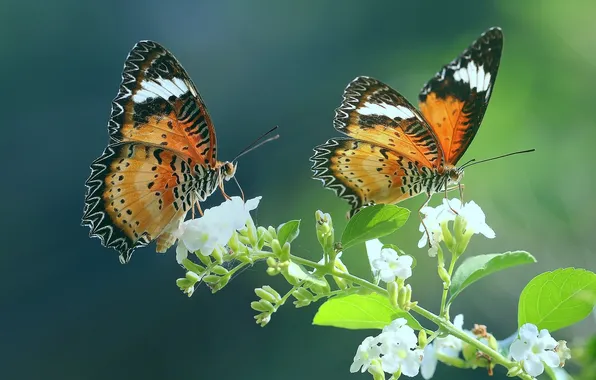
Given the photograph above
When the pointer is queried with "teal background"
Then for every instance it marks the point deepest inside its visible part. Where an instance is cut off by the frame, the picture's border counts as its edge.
(69, 310)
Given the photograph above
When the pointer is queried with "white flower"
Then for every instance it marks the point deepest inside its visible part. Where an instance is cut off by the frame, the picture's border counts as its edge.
(472, 215)
(373, 251)
(367, 352)
(391, 266)
(433, 219)
(476, 220)
(214, 228)
(447, 346)
(533, 349)
(399, 349)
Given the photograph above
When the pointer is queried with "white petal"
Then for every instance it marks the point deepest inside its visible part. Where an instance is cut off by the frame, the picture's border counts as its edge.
(411, 365)
(528, 332)
(519, 350)
(429, 362)
(387, 275)
(533, 366)
(458, 321)
(181, 252)
(252, 204)
(390, 363)
(388, 254)
(550, 358)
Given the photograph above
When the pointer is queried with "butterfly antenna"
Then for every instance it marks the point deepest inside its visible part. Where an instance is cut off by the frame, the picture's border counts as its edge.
(239, 187)
(474, 162)
(258, 142)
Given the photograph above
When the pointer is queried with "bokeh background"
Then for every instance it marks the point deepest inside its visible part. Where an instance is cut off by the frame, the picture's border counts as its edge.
(69, 310)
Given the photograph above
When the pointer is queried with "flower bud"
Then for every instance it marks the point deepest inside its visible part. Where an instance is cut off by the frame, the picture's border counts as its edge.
(193, 277)
(218, 253)
(264, 294)
(190, 266)
(263, 318)
(206, 260)
(272, 232)
(402, 301)
(422, 338)
(219, 270)
(263, 234)
(393, 289)
(276, 248)
(444, 275)
(211, 279)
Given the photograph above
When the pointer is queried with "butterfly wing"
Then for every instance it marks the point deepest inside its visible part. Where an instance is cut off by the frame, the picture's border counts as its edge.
(455, 100)
(158, 104)
(364, 173)
(137, 192)
(374, 112)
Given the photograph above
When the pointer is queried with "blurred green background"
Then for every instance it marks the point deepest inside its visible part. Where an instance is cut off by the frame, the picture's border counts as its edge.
(71, 311)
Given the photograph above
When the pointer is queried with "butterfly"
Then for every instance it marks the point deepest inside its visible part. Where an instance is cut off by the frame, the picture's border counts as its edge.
(160, 160)
(392, 150)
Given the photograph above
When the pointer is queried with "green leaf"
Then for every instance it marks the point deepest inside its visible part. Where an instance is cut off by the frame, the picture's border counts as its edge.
(477, 267)
(288, 231)
(357, 311)
(557, 299)
(373, 222)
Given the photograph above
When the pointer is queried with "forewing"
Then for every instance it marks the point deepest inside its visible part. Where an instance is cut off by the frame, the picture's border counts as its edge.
(374, 112)
(455, 100)
(158, 104)
(363, 173)
(135, 193)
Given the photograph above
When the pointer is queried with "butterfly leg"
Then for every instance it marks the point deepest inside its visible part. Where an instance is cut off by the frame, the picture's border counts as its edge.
(460, 187)
(198, 208)
(428, 196)
(226, 196)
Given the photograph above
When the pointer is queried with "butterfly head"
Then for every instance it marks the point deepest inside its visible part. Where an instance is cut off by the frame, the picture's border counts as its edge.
(454, 174)
(228, 170)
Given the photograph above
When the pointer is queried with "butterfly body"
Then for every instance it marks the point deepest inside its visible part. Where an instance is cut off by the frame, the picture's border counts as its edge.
(392, 151)
(161, 158)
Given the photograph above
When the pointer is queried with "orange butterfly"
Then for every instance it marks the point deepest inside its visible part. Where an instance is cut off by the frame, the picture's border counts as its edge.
(393, 151)
(160, 160)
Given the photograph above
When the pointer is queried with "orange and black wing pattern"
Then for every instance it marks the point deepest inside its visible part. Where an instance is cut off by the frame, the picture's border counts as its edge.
(158, 104)
(160, 160)
(455, 100)
(390, 151)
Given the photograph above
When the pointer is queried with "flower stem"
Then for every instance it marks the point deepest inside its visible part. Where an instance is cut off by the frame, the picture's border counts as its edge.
(444, 312)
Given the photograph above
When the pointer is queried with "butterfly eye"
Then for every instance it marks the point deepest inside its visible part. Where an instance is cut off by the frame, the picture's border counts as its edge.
(229, 170)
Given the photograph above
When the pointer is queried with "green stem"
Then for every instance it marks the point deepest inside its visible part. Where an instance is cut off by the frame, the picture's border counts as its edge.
(444, 312)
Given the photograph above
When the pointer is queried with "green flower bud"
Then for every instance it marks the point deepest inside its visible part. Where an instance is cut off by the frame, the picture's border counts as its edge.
(272, 232)
(234, 243)
(276, 248)
(402, 298)
(193, 277)
(217, 254)
(257, 306)
(422, 339)
(263, 294)
(263, 234)
(219, 270)
(444, 275)
(211, 279)
(190, 266)
(263, 319)
(206, 260)
(393, 289)
(273, 292)
(267, 305)
(447, 236)
(272, 271)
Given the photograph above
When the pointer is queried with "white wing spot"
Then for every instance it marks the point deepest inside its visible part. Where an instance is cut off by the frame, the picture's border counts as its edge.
(474, 76)
(385, 109)
(163, 88)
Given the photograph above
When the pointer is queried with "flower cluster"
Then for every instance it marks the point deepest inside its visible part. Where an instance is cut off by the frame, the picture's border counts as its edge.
(470, 215)
(215, 227)
(387, 264)
(533, 349)
(394, 350)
